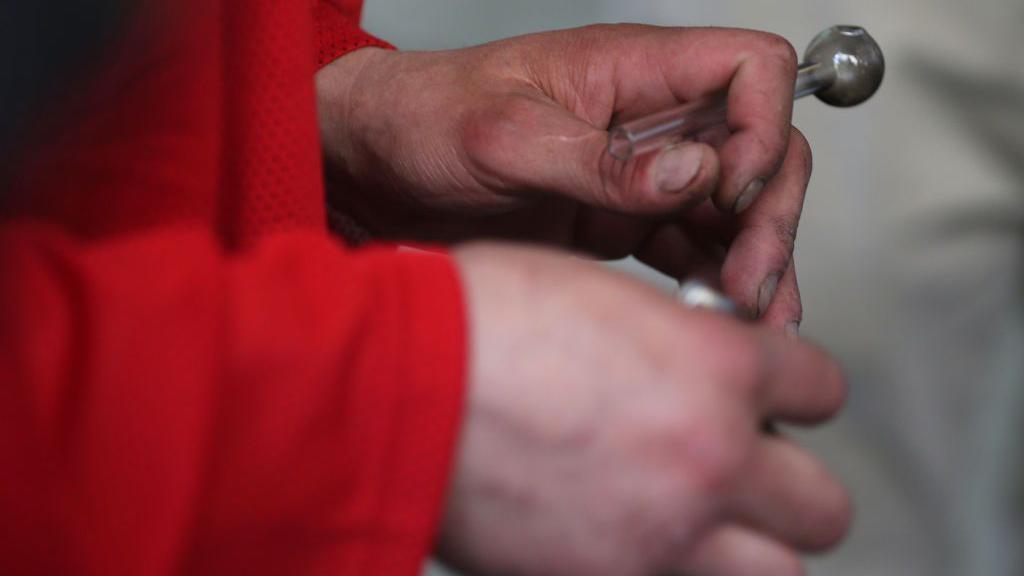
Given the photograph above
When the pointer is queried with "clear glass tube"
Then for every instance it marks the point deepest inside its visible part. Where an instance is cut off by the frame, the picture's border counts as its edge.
(683, 122)
(663, 128)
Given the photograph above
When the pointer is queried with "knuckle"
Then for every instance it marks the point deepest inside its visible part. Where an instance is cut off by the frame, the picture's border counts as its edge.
(602, 36)
(804, 156)
(769, 144)
(713, 459)
(785, 228)
(770, 147)
(604, 29)
(777, 47)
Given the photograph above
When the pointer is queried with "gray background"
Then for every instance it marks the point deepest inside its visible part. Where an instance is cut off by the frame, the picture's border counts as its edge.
(910, 257)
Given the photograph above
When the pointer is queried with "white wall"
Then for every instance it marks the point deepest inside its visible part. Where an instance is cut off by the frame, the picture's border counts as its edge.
(910, 255)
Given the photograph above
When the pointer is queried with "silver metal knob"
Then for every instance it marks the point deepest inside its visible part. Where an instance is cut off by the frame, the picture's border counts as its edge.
(843, 66)
(854, 61)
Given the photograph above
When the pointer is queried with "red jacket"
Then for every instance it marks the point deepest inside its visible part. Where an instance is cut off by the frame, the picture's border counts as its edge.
(194, 377)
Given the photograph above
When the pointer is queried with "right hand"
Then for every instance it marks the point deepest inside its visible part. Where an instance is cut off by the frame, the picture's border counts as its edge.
(509, 140)
(609, 431)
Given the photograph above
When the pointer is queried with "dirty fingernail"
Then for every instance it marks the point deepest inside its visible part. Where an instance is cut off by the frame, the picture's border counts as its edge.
(750, 193)
(793, 329)
(677, 167)
(766, 293)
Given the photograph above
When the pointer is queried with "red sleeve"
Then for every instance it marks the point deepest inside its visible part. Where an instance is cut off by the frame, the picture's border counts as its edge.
(165, 408)
(338, 31)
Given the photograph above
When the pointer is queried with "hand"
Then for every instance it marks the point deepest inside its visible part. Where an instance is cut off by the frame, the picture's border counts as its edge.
(610, 432)
(508, 140)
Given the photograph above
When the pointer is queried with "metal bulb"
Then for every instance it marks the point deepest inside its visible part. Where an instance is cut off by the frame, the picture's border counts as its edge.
(856, 59)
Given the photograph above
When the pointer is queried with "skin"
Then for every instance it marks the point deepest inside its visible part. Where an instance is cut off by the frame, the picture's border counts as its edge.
(611, 432)
(607, 431)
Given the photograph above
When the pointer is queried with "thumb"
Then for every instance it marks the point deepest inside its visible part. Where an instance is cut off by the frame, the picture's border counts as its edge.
(529, 145)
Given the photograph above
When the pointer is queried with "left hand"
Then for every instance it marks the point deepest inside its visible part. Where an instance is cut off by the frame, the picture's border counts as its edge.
(508, 140)
(608, 431)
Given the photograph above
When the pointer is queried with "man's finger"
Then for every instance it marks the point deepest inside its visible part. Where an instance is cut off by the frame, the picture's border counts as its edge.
(786, 310)
(788, 494)
(733, 550)
(759, 71)
(760, 120)
(763, 248)
(801, 383)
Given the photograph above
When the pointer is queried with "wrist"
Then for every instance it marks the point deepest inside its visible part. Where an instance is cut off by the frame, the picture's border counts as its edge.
(338, 88)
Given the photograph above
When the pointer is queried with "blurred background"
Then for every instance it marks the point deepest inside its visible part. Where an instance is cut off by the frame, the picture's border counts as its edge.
(911, 257)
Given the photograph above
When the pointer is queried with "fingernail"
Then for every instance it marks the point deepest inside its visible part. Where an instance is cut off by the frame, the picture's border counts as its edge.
(750, 193)
(677, 167)
(793, 329)
(766, 293)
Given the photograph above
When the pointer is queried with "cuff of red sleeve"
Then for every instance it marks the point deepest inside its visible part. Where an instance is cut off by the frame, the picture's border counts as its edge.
(430, 411)
(337, 35)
